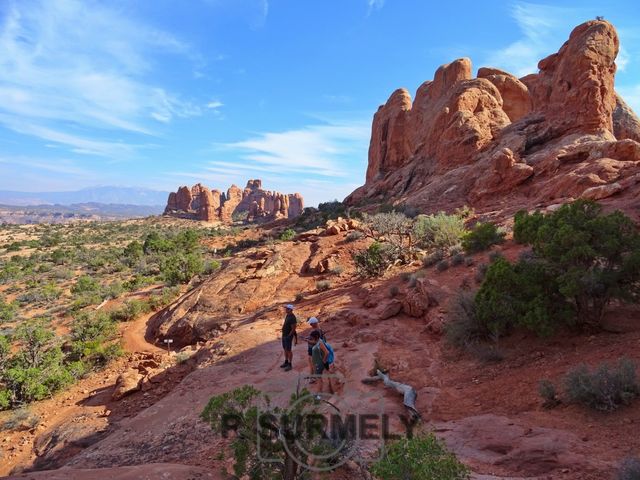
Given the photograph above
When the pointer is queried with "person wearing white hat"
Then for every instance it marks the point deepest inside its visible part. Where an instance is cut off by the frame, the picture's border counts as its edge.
(288, 337)
(315, 325)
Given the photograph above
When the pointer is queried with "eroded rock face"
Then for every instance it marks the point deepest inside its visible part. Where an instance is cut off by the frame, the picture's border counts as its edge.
(200, 203)
(497, 139)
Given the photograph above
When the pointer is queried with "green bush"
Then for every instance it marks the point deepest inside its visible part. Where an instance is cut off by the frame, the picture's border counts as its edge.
(433, 258)
(606, 388)
(85, 284)
(481, 237)
(525, 294)
(594, 258)
(439, 231)
(36, 370)
(419, 458)
(373, 261)
(288, 234)
(457, 259)
(323, 285)
(548, 392)
(8, 311)
(442, 265)
(463, 327)
(181, 268)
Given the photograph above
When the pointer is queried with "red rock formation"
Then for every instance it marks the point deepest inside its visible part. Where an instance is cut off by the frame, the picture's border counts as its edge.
(539, 139)
(198, 202)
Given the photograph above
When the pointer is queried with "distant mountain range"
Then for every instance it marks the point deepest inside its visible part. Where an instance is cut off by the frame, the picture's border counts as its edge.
(103, 195)
(75, 212)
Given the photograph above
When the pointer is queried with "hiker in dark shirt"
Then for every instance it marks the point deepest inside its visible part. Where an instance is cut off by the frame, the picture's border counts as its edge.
(289, 335)
(315, 325)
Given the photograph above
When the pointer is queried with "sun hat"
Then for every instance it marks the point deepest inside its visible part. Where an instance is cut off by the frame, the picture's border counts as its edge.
(312, 321)
(289, 306)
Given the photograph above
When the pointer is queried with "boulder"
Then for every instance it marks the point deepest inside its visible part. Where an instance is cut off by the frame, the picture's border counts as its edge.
(127, 382)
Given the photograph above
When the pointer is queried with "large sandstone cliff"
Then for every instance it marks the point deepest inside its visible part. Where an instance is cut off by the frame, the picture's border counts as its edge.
(558, 134)
(198, 202)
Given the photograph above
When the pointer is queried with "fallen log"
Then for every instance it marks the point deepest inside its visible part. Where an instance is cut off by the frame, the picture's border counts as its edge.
(407, 391)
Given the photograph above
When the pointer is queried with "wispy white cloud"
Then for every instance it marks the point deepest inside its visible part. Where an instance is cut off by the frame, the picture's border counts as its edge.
(374, 5)
(541, 26)
(631, 95)
(316, 149)
(322, 161)
(71, 63)
(215, 104)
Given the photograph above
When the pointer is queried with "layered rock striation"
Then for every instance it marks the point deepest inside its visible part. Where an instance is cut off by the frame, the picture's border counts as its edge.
(200, 203)
(498, 139)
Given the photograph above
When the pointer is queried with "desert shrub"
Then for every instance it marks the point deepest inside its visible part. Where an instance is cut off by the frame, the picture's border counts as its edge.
(548, 393)
(526, 226)
(168, 295)
(629, 469)
(468, 261)
(495, 255)
(394, 291)
(183, 357)
(354, 235)
(131, 309)
(181, 268)
(133, 252)
(323, 285)
(212, 266)
(439, 231)
(394, 228)
(299, 296)
(421, 457)
(442, 265)
(525, 294)
(288, 234)
(481, 237)
(332, 210)
(373, 261)
(593, 257)
(337, 270)
(457, 259)
(85, 284)
(433, 258)
(606, 388)
(21, 418)
(91, 336)
(8, 311)
(463, 328)
(245, 405)
(36, 370)
(481, 271)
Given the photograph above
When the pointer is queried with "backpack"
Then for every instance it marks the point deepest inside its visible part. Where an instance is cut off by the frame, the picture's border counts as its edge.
(332, 355)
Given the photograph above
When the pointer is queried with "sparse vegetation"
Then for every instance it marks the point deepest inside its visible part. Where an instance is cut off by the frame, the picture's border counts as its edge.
(481, 237)
(606, 388)
(463, 327)
(442, 265)
(439, 231)
(374, 260)
(549, 394)
(422, 457)
(593, 258)
(323, 285)
(433, 258)
(288, 235)
(245, 405)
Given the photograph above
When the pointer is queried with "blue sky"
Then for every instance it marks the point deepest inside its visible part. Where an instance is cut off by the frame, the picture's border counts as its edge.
(160, 93)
